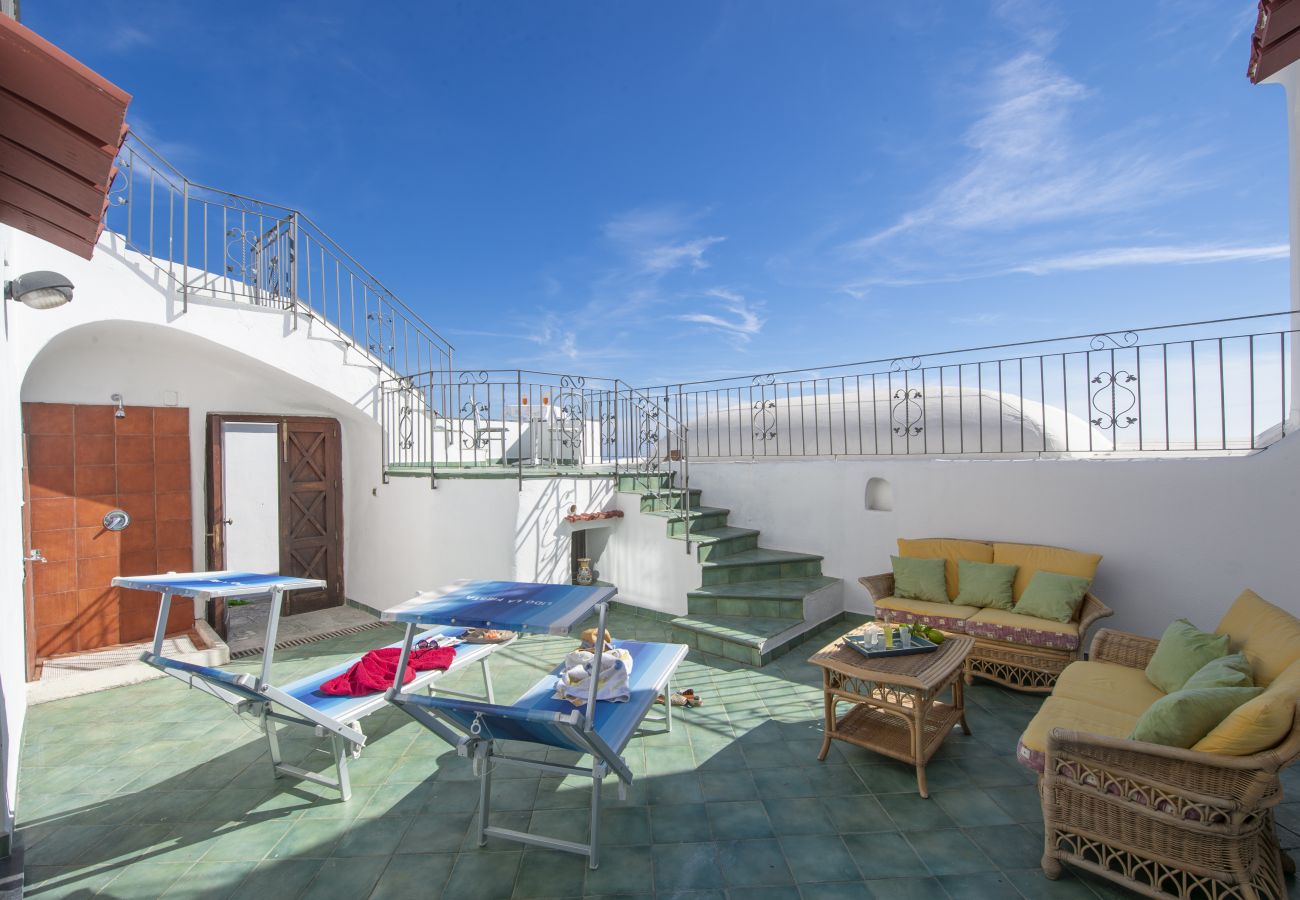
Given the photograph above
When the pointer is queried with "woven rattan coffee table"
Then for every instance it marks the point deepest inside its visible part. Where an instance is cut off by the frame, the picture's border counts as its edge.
(896, 707)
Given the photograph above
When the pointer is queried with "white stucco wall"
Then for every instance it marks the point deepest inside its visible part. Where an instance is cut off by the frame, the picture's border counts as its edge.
(1180, 537)
(13, 660)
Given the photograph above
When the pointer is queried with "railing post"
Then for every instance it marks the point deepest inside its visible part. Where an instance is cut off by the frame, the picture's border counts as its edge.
(519, 424)
(185, 246)
(293, 270)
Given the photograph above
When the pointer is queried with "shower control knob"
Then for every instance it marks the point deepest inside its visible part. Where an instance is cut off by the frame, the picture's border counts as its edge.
(116, 520)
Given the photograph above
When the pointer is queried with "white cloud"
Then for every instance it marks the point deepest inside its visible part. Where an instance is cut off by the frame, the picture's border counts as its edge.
(657, 241)
(1153, 256)
(124, 38)
(743, 323)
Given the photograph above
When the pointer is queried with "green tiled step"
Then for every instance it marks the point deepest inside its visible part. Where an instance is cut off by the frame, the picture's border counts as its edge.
(645, 482)
(778, 598)
(732, 637)
(672, 498)
(760, 565)
(702, 519)
(718, 543)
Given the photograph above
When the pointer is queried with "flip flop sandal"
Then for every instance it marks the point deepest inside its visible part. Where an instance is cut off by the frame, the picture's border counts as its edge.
(695, 699)
(679, 699)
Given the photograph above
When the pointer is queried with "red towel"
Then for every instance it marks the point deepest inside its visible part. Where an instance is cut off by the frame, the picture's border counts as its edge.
(375, 671)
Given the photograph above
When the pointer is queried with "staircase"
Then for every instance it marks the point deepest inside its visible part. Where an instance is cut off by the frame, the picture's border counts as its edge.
(753, 603)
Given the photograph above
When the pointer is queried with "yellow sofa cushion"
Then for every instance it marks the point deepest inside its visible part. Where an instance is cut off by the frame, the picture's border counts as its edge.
(1033, 558)
(944, 616)
(1267, 634)
(951, 550)
(1258, 724)
(1005, 625)
(1075, 715)
(1121, 688)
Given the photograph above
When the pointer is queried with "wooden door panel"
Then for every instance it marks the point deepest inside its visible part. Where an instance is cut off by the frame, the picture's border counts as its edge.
(311, 510)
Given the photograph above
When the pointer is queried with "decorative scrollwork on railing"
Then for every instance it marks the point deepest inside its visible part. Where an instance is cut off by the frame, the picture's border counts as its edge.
(763, 380)
(479, 377)
(118, 191)
(472, 435)
(646, 432)
(240, 254)
(1113, 400)
(763, 418)
(907, 413)
(570, 412)
(378, 327)
(406, 414)
(572, 382)
(905, 364)
(1118, 341)
(609, 429)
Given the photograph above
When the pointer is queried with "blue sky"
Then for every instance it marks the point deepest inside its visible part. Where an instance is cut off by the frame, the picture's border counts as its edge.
(669, 191)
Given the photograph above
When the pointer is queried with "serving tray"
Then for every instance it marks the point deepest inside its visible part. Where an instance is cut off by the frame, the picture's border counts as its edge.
(919, 645)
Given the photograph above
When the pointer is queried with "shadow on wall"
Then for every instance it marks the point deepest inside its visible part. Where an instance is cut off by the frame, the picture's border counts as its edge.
(541, 535)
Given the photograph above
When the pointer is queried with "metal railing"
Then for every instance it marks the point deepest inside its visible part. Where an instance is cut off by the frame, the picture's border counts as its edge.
(216, 245)
(1202, 386)
(520, 422)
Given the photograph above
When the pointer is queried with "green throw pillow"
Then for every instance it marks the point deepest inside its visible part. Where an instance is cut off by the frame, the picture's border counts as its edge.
(919, 579)
(986, 585)
(1053, 596)
(1182, 651)
(1232, 670)
(1184, 717)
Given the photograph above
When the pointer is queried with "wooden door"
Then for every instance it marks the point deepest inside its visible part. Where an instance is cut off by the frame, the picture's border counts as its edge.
(311, 510)
(310, 507)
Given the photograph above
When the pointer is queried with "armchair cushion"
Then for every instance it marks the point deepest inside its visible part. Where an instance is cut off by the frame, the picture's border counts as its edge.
(1112, 685)
(1267, 634)
(919, 579)
(1259, 724)
(944, 616)
(950, 550)
(1232, 670)
(1032, 558)
(1005, 625)
(1182, 651)
(1184, 717)
(1076, 715)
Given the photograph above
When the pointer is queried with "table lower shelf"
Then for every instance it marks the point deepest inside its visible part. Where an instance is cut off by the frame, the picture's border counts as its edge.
(890, 734)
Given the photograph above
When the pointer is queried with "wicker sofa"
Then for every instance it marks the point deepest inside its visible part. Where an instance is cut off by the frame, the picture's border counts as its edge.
(1019, 651)
(1164, 821)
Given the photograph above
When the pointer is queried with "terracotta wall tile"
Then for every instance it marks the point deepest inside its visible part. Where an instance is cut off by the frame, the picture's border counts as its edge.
(95, 541)
(56, 546)
(172, 449)
(55, 609)
(138, 536)
(95, 419)
(135, 479)
(94, 450)
(49, 450)
(139, 506)
(99, 630)
(135, 448)
(47, 418)
(51, 514)
(53, 577)
(138, 420)
(55, 639)
(50, 481)
(139, 562)
(175, 505)
(96, 480)
(138, 614)
(175, 534)
(171, 420)
(91, 510)
(172, 477)
(95, 601)
(96, 573)
(177, 560)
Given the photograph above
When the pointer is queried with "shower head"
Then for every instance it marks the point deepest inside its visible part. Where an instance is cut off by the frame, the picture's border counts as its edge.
(121, 410)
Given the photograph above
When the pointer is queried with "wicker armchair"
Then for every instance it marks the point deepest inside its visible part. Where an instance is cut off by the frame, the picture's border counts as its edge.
(1163, 821)
(1019, 666)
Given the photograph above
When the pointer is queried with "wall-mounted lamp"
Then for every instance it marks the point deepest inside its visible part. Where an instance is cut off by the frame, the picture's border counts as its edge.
(40, 290)
(121, 409)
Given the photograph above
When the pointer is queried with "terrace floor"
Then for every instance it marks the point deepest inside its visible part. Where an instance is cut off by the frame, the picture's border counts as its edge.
(148, 791)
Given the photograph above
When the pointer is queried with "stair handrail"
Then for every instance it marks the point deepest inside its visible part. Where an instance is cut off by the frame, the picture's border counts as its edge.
(675, 430)
(272, 255)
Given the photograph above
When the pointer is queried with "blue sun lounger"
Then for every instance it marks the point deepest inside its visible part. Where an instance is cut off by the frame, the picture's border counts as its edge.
(300, 702)
(478, 731)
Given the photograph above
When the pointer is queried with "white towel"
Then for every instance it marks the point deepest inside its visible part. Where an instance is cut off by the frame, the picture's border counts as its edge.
(575, 684)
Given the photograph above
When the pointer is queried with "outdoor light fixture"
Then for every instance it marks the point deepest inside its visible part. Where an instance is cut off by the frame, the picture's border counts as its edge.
(40, 290)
